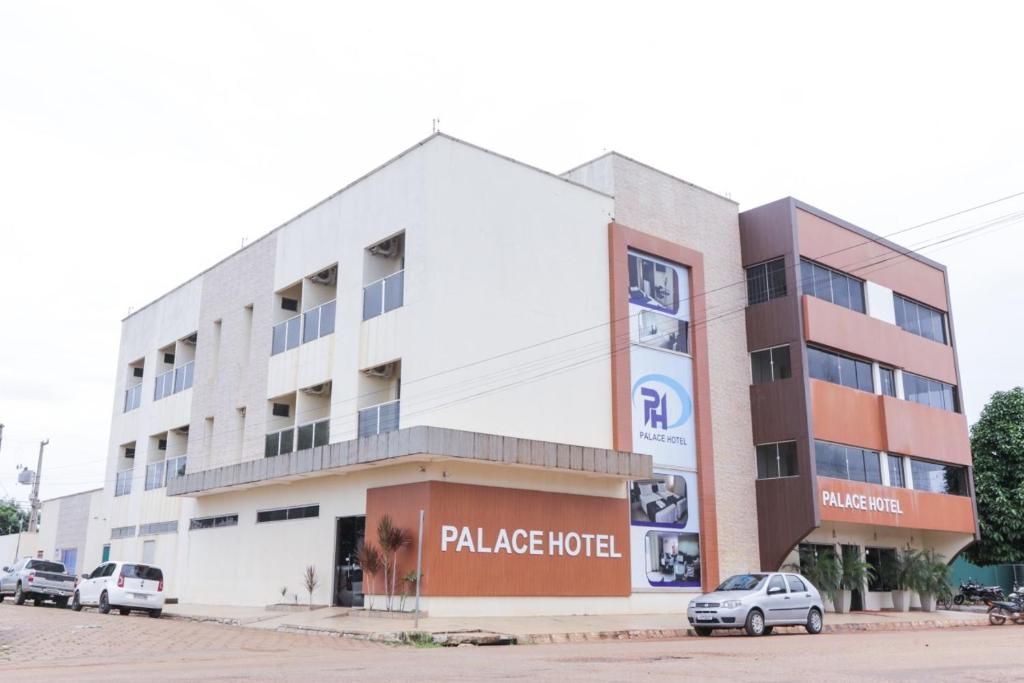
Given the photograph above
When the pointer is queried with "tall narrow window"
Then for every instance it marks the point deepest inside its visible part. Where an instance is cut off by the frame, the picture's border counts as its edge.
(887, 377)
(770, 365)
(766, 281)
(896, 477)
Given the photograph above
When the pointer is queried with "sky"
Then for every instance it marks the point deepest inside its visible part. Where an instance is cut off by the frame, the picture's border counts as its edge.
(140, 143)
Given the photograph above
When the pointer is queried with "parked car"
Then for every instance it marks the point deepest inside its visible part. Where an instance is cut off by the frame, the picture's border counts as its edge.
(124, 586)
(757, 603)
(37, 580)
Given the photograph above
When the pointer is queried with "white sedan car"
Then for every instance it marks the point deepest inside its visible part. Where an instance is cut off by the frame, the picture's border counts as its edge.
(124, 586)
(757, 603)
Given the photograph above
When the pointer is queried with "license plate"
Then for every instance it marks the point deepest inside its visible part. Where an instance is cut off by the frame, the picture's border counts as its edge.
(140, 596)
(704, 617)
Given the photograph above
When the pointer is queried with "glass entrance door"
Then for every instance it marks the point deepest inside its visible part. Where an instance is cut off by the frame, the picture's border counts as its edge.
(348, 575)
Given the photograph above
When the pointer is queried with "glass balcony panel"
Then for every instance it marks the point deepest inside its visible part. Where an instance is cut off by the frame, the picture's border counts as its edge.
(287, 439)
(389, 417)
(293, 332)
(272, 445)
(305, 439)
(322, 433)
(394, 291)
(373, 295)
(368, 421)
(311, 325)
(277, 345)
(327, 312)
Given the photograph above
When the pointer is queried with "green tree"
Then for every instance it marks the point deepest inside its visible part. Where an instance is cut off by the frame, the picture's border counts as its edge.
(997, 443)
(12, 517)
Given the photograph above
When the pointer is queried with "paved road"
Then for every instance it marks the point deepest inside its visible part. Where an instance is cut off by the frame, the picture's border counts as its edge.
(48, 644)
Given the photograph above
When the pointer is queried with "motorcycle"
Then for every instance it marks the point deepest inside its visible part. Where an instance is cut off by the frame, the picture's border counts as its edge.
(1001, 610)
(973, 592)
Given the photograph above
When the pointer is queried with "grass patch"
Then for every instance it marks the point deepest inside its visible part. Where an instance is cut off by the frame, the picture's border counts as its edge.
(420, 639)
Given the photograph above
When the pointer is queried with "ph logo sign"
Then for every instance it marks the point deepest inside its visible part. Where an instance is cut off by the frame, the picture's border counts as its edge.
(664, 403)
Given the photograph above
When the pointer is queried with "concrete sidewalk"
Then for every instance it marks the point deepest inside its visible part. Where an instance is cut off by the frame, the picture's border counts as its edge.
(339, 622)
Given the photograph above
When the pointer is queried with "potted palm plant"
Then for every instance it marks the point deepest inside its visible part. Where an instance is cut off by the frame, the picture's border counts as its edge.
(933, 579)
(905, 577)
(823, 570)
(854, 572)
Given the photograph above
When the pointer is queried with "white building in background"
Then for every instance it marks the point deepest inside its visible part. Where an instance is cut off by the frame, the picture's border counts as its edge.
(604, 390)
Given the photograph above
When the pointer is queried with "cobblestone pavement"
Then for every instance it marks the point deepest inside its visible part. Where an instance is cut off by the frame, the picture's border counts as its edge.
(49, 644)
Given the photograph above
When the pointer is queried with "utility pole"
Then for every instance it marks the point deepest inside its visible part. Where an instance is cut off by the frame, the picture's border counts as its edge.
(33, 520)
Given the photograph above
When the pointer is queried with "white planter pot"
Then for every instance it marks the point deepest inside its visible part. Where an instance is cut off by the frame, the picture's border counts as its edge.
(927, 602)
(843, 601)
(827, 604)
(901, 601)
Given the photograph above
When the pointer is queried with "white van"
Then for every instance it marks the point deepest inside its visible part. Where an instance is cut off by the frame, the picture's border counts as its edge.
(124, 586)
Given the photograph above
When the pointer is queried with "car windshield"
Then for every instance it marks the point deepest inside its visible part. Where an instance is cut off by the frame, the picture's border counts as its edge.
(742, 582)
(44, 566)
(141, 571)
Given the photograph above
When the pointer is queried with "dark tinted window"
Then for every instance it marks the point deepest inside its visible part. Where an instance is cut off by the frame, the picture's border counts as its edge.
(776, 460)
(919, 319)
(847, 462)
(883, 561)
(832, 286)
(213, 522)
(770, 365)
(742, 582)
(938, 478)
(832, 367)
(930, 392)
(300, 512)
(142, 571)
(46, 566)
(766, 281)
(795, 584)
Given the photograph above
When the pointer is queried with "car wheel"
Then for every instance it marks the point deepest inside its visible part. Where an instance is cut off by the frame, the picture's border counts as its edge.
(76, 603)
(814, 622)
(755, 623)
(124, 612)
(155, 613)
(768, 630)
(702, 631)
(104, 603)
(19, 596)
(62, 603)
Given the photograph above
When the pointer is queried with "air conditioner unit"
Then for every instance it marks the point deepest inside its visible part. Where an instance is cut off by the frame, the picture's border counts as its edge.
(325, 277)
(318, 389)
(388, 247)
(381, 371)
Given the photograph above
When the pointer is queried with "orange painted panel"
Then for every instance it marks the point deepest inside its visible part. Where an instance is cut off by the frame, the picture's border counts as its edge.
(859, 503)
(847, 251)
(915, 429)
(490, 541)
(847, 416)
(840, 328)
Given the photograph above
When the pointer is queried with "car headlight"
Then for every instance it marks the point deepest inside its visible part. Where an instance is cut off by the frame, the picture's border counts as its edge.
(731, 604)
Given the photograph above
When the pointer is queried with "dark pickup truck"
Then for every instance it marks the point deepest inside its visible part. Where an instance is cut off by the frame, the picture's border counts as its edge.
(37, 580)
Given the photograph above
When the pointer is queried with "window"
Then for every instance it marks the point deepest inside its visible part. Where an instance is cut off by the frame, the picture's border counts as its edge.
(883, 561)
(155, 475)
(383, 295)
(838, 369)
(776, 460)
(158, 528)
(378, 419)
(213, 522)
(896, 477)
(301, 512)
(937, 478)
(887, 377)
(770, 365)
(832, 286)
(122, 532)
(847, 462)
(919, 319)
(795, 584)
(776, 584)
(313, 434)
(175, 467)
(141, 571)
(766, 281)
(286, 335)
(318, 322)
(123, 483)
(133, 397)
(930, 392)
(173, 381)
(279, 443)
(45, 566)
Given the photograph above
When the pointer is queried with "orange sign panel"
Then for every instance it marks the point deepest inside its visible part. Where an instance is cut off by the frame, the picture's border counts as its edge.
(490, 541)
(853, 501)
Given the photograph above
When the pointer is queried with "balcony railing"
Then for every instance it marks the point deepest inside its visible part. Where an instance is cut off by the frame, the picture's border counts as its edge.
(313, 434)
(123, 483)
(173, 381)
(383, 295)
(159, 473)
(132, 397)
(379, 419)
(309, 326)
(279, 442)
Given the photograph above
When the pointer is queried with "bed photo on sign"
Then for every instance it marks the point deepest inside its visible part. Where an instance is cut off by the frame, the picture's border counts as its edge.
(653, 285)
(663, 332)
(673, 559)
(659, 501)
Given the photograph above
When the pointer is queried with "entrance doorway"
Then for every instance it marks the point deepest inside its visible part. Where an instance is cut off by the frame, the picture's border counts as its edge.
(857, 594)
(348, 576)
